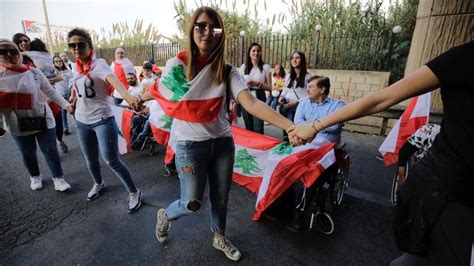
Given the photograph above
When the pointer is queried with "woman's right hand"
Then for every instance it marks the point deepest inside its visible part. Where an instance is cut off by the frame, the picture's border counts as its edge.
(133, 101)
(71, 108)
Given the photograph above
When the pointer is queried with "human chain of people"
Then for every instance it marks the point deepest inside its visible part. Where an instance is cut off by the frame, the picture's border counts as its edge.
(190, 107)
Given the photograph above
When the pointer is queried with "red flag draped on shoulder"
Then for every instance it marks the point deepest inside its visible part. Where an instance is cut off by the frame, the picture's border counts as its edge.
(415, 116)
(196, 101)
(121, 68)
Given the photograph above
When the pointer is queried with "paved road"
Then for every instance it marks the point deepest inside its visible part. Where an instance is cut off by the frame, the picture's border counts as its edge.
(48, 227)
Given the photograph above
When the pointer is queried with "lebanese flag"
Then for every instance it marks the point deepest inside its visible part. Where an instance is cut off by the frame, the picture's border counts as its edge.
(199, 100)
(18, 91)
(285, 164)
(251, 153)
(121, 68)
(123, 118)
(160, 124)
(415, 116)
(268, 167)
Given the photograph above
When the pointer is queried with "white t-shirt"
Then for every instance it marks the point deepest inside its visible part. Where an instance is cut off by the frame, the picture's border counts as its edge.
(93, 101)
(295, 93)
(64, 86)
(216, 129)
(44, 62)
(255, 73)
(40, 105)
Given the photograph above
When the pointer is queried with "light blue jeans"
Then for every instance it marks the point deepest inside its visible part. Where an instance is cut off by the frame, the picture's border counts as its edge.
(197, 162)
(103, 136)
(47, 142)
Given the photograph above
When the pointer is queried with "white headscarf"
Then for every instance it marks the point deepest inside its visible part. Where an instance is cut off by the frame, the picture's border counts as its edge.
(19, 62)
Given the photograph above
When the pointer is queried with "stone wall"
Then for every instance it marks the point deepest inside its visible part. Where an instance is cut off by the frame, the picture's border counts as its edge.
(350, 85)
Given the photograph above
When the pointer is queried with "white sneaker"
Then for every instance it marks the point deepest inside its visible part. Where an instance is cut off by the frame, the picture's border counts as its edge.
(36, 182)
(163, 225)
(223, 244)
(94, 193)
(60, 184)
(134, 201)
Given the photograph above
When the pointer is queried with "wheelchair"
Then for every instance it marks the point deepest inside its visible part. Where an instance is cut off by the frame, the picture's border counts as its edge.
(329, 193)
(319, 201)
(138, 124)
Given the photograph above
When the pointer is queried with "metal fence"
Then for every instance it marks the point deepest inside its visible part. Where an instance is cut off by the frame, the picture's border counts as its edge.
(138, 54)
(322, 50)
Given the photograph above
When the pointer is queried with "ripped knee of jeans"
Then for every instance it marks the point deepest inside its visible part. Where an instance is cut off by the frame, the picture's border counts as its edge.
(194, 205)
(188, 169)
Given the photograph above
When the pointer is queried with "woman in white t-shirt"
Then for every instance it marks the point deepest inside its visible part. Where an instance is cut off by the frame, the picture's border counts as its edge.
(27, 115)
(95, 123)
(295, 87)
(257, 75)
(205, 148)
(64, 88)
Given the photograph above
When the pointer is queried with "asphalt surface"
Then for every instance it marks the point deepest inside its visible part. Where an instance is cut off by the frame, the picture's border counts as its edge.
(63, 228)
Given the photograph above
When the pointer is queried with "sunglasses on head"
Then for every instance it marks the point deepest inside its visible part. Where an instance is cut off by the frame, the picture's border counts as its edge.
(202, 27)
(12, 52)
(79, 45)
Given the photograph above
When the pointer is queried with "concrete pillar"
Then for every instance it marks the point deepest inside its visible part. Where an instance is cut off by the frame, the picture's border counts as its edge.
(440, 25)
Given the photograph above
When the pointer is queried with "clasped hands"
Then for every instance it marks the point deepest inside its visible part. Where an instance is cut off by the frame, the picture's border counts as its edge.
(301, 134)
(134, 102)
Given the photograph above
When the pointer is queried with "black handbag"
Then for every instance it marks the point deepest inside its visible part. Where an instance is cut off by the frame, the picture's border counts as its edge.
(32, 123)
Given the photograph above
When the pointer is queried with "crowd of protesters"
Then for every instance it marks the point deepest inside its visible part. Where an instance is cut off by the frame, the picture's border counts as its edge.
(58, 89)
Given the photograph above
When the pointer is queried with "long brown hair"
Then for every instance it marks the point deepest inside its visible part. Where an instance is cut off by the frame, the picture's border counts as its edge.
(217, 56)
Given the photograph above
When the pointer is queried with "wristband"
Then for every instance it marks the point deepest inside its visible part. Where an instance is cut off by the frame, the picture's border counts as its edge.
(313, 125)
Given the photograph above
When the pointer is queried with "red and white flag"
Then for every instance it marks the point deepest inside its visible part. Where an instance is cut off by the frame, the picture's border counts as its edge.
(415, 116)
(121, 68)
(198, 100)
(18, 91)
(251, 154)
(160, 124)
(268, 166)
(123, 118)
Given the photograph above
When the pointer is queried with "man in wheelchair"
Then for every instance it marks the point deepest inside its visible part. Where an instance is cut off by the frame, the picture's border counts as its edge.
(300, 202)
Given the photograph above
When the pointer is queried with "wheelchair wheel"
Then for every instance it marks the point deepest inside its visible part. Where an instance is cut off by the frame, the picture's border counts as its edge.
(393, 195)
(324, 223)
(339, 189)
(340, 184)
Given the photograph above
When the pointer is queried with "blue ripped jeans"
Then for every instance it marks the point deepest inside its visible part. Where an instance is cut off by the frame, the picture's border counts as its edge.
(197, 162)
(103, 136)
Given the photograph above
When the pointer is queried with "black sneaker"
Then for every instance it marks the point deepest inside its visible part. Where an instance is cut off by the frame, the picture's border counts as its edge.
(66, 132)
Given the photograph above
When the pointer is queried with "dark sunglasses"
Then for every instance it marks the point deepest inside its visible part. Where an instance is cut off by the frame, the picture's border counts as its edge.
(5, 52)
(24, 41)
(202, 27)
(79, 45)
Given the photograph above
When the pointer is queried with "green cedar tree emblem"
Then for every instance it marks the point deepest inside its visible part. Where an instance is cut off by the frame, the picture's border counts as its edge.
(282, 148)
(167, 120)
(246, 162)
(176, 82)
